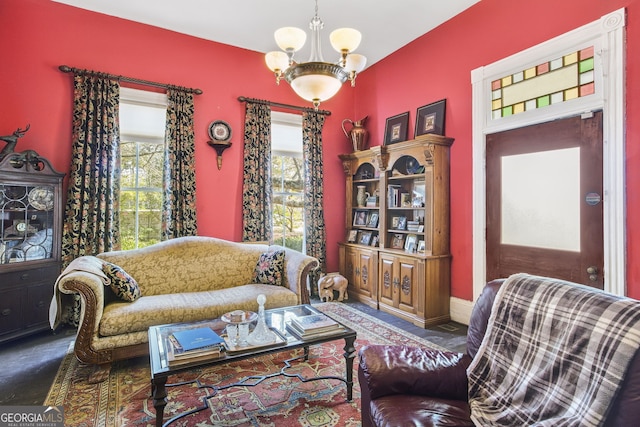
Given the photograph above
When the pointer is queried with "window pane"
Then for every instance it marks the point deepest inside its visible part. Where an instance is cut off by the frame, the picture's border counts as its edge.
(150, 161)
(128, 164)
(541, 199)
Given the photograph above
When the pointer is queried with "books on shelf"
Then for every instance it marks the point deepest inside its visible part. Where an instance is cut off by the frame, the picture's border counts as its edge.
(194, 345)
(314, 326)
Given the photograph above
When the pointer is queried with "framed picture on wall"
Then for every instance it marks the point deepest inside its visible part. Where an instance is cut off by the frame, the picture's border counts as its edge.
(395, 129)
(430, 118)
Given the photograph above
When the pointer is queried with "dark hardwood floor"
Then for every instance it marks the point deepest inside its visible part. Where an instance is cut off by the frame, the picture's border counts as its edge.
(30, 364)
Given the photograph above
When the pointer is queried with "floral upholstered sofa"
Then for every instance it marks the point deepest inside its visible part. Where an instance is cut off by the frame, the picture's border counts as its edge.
(180, 280)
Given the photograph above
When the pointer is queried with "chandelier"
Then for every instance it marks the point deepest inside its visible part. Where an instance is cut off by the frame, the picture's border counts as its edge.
(316, 80)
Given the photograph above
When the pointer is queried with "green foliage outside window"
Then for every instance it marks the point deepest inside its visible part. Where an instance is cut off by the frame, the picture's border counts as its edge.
(288, 201)
(140, 193)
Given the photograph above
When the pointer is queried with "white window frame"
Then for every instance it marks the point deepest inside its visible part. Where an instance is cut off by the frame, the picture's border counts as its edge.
(293, 120)
(143, 98)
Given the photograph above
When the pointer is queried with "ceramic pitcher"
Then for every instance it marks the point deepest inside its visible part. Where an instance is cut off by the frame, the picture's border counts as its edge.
(361, 196)
(357, 134)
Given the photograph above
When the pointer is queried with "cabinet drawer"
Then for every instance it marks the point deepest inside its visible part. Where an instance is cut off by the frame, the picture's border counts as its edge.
(34, 275)
(10, 311)
(36, 309)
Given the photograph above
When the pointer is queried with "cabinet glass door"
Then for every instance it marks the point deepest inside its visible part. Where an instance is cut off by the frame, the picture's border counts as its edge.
(26, 222)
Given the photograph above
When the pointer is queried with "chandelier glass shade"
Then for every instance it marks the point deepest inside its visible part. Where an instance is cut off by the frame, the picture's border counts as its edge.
(316, 80)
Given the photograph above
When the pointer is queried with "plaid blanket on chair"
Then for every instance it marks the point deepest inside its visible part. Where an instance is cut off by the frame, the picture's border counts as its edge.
(554, 354)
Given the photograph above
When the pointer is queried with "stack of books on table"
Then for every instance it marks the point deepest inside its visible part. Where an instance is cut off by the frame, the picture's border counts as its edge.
(314, 326)
(194, 345)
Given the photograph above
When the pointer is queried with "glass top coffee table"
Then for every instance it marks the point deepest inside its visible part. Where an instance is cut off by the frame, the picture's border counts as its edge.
(277, 319)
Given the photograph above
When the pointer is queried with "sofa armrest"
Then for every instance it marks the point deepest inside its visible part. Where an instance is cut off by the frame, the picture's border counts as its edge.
(297, 268)
(91, 290)
(396, 369)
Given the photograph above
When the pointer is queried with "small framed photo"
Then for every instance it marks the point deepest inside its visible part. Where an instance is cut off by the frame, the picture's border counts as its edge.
(360, 218)
(353, 235)
(398, 241)
(411, 244)
(421, 246)
(373, 220)
(405, 200)
(365, 238)
(402, 223)
(374, 240)
(430, 118)
(395, 129)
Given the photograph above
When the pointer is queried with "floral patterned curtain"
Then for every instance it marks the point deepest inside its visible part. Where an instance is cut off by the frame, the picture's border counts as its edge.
(316, 235)
(256, 195)
(179, 202)
(91, 220)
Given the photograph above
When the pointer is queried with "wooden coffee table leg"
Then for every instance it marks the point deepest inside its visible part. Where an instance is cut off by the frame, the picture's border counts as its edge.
(159, 398)
(349, 355)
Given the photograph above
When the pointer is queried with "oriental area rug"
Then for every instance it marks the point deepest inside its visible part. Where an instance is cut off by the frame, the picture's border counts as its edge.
(124, 398)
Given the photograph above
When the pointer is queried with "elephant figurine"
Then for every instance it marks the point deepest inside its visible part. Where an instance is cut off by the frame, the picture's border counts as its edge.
(332, 282)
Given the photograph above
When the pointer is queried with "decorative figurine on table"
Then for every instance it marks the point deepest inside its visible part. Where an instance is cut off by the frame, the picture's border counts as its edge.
(261, 333)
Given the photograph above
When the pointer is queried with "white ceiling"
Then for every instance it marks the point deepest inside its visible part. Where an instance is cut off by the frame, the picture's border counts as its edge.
(385, 25)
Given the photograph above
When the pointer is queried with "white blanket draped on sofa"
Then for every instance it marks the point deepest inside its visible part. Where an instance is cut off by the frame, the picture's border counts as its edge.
(555, 354)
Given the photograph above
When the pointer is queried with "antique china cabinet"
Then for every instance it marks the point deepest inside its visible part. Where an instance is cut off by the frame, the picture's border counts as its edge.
(396, 252)
(30, 230)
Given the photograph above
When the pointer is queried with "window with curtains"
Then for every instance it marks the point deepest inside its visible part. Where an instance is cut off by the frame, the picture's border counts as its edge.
(142, 153)
(287, 177)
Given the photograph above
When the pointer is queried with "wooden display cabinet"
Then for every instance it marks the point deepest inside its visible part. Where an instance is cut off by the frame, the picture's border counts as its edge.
(30, 232)
(411, 249)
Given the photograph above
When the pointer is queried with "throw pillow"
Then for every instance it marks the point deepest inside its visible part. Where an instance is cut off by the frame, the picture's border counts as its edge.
(122, 284)
(270, 268)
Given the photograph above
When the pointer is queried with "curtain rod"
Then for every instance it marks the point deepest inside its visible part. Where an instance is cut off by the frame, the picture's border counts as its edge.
(67, 69)
(277, 104)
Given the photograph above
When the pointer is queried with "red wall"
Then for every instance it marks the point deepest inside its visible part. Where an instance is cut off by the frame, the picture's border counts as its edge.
(36, 36)
(438, 65)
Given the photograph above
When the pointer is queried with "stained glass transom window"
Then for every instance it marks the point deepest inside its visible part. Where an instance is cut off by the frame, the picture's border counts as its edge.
(568, 77)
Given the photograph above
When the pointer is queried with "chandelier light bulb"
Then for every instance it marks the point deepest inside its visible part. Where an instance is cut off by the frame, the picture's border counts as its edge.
(277, 61)
(355, 62)
(290, 39)
(345, 40)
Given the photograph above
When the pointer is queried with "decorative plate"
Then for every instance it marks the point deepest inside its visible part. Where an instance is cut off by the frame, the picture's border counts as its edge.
(239, 317)
(220, 131)
(41, 198)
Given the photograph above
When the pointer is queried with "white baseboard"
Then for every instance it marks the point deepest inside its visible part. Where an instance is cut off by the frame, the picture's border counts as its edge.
(460, 310)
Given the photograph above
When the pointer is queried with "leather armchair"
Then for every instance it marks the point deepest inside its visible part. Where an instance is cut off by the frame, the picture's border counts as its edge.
(409, 386)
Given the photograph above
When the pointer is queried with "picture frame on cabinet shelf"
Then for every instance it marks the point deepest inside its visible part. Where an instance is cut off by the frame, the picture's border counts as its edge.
(365, 238)
(405, 200)
(373, 220)
(411, 243)
(352, 236)
(360, 218)
(402, 223)
(375, 240)
(395, 129)
(430, 118)
(398, 241)
(421, 246)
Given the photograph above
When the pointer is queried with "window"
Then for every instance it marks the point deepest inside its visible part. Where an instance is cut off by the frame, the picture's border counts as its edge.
(142, 127)
(287, 176)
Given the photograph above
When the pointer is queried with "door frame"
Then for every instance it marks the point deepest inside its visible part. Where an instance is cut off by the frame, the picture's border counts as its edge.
(607, 37)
